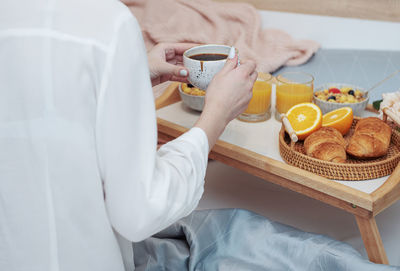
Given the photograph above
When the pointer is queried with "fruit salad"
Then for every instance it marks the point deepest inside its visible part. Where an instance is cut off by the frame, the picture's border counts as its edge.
(191, 90)
(340, 95)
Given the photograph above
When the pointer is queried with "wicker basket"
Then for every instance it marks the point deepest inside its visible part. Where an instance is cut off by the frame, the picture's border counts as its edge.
(353, 170)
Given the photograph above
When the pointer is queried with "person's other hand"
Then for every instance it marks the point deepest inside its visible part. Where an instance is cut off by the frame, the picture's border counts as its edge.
(166, 62)
(230, 91)
(227, 96)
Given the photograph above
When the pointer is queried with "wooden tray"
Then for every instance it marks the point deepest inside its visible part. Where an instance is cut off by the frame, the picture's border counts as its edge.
(353, 170)
(363, 205)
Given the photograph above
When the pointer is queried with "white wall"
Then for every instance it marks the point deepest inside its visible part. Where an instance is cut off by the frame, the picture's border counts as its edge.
(334, 32)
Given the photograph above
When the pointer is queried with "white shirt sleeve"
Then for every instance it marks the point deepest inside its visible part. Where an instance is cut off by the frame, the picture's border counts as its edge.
(145, 190)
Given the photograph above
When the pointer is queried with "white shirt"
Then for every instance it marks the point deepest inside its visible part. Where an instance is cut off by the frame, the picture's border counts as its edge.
(77, 110)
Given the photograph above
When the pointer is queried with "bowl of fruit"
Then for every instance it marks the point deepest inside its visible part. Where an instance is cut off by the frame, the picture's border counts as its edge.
(191, 96)
(333, 96)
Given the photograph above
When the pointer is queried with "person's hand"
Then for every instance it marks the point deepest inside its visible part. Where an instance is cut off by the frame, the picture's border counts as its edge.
(227, 96)
(230, 91)
(166, 62)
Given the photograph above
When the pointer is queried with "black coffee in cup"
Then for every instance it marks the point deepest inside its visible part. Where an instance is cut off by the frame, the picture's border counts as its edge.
(209, 57)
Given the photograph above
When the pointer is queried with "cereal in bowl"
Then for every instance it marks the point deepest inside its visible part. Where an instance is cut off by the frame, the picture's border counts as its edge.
(340, 95)
(191, 90)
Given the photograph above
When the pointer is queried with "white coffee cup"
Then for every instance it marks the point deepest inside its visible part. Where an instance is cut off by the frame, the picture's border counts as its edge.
(202, 72)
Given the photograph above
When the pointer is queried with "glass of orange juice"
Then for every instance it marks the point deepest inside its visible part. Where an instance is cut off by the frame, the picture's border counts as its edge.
(259, 108)
(292, 88)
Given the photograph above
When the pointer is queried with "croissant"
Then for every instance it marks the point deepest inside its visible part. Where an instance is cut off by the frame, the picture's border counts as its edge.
(371, 138)
(326, 144)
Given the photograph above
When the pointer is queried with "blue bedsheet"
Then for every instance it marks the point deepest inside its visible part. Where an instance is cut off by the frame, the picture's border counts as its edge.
(362, 68)
(235, 239)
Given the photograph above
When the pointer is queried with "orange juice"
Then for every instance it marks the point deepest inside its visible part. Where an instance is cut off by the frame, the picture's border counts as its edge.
(261, 100)
(288, 95)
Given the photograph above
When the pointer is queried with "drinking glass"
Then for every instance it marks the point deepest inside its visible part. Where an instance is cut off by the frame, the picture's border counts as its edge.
(292, 88)
(259, 108)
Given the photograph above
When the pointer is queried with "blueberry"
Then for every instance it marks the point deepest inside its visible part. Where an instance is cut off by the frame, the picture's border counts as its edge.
(351, 92)
(190, 85)
(332, 98)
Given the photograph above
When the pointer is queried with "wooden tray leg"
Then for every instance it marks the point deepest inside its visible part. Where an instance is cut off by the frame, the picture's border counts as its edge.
(372, 240)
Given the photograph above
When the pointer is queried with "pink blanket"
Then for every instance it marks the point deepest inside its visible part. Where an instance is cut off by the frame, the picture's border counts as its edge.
(206, 21)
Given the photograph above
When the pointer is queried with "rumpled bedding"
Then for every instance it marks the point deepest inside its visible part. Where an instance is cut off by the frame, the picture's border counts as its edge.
(235, 239)
(207, 21)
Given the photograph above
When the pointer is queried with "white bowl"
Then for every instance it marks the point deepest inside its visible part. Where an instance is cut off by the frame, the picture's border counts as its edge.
(193, 101)
(326, 107)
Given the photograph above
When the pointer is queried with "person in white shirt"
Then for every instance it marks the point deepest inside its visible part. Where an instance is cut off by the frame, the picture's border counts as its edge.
(78, 161)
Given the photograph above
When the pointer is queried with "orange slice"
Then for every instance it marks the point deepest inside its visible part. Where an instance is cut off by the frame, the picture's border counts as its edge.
(305, 119)
(340, 119)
